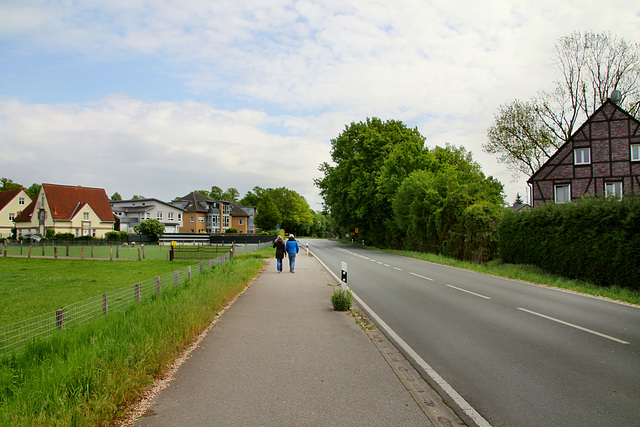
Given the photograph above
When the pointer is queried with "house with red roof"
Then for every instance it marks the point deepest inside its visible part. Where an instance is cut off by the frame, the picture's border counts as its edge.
(81, 211)
(12, 203)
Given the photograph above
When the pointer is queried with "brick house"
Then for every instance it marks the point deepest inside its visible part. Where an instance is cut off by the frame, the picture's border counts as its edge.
(12, 203)
(82, 211)
(205, 215)
(601, 158)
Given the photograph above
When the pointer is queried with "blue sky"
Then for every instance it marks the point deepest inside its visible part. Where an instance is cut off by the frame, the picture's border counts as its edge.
(162, 98)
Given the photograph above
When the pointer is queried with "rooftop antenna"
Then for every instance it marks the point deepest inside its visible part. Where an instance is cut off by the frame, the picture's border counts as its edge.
(616, 96)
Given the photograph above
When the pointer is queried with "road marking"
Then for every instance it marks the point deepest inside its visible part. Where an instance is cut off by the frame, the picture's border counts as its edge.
(415, 357)
(469, 292)
(422, 277)
(396, 268)
(574, 326)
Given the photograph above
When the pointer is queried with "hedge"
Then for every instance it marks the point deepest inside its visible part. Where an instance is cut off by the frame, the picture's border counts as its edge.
(595, 239)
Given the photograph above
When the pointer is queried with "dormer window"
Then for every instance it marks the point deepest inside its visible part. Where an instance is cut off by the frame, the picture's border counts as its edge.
(582, 156)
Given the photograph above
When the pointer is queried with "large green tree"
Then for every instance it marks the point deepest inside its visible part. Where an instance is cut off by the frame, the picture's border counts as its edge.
(370, 159)
(450, 207)
(280, 206)
(150, 227)
(590, 66)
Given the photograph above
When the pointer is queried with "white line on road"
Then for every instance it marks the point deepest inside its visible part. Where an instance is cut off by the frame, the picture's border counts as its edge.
(422, 277)
(396, 268)
(469, 292)
(574, 326)
(415, 357)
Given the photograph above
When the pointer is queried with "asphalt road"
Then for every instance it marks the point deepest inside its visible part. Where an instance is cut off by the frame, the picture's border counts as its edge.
(517, 353)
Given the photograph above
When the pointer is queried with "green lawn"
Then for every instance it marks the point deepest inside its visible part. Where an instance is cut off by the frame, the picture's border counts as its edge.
(147, 252)
(30, 287)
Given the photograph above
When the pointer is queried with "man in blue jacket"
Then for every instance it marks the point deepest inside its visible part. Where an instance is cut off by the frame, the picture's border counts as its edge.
(292, 249)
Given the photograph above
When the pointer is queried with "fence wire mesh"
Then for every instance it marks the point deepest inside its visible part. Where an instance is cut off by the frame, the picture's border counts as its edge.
(18, 335)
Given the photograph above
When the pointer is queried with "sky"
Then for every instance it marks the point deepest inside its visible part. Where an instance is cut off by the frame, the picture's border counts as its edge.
(161, 98)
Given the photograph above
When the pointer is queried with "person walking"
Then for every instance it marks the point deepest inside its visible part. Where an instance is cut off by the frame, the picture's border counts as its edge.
(280, 252)
(292, 248)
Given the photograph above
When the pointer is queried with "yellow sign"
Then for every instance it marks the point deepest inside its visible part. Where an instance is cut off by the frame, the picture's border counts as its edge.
(356, 230)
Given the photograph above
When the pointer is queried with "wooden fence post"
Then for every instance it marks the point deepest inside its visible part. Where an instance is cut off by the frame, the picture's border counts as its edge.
(55, 252)
(189, 272)
(158, 285)
(144, 253)
(139, 259)
(117, 251)
(43, 250)
(60, 318)
(67, 250)
(5, 251)
(105, 303)
(82, 253)
(137, 291)
(29, 251)
(92, 251)
(111, 253)
(176, 277)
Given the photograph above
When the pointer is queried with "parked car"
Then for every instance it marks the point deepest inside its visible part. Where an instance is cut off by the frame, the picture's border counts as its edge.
(35, 237)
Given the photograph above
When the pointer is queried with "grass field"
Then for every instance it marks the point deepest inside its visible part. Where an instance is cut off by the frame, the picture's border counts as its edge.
(90, 374)
(149, 252)
(30, 287)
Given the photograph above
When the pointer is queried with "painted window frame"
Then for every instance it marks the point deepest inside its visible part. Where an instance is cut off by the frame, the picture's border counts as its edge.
(579, 157)
(566, 189)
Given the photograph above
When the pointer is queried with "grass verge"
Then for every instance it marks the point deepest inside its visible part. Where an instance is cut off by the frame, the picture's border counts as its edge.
(530, 273)
(89, 375)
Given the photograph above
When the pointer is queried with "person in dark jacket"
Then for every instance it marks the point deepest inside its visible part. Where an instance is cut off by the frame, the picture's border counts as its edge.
(292, 248)
(280, 252)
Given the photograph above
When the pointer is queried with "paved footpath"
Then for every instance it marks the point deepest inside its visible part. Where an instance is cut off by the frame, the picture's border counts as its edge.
(280, 356)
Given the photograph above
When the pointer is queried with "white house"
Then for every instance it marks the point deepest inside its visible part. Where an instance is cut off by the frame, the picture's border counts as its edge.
(133, 212)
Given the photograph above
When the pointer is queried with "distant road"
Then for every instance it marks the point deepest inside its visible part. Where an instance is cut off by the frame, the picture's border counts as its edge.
(519, 354)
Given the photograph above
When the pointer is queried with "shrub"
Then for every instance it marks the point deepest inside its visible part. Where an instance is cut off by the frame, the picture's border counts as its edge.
(342, 299)
(594, 239)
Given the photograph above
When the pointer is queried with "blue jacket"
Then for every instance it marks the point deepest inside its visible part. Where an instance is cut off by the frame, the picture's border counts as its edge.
(292, 246)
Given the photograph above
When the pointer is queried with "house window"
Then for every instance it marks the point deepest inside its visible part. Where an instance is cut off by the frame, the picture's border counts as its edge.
(635, 152)
(582, 156)
(562, 193)
(85, 216)
(192, 219)
(241, 222)
(179, 217)
(170, 216)
(12, 216)
(159, 215)
(201, 219)
(21, 200)
(613, 189)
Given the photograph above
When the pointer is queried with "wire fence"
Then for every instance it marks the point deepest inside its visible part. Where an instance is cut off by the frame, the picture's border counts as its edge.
(18, 335)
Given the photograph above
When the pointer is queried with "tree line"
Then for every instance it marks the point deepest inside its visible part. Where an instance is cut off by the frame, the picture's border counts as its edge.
(389, 190)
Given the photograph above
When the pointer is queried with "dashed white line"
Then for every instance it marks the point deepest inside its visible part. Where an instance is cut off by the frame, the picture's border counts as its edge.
(422, 277)
(469, 292)
(574, 326)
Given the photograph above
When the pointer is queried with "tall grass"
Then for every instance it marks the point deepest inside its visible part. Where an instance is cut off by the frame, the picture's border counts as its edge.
(89, 375)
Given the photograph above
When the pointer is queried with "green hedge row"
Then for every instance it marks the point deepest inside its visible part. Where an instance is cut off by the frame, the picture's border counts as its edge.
(595, 239)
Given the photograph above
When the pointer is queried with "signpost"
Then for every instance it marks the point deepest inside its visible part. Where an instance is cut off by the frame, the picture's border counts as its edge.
(344, 272)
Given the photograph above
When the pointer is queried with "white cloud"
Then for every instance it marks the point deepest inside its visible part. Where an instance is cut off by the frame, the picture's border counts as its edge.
(275, 81)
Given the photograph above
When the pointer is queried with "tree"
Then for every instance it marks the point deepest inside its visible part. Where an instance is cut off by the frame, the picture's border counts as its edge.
(116, 196)
(591, 66)
(150, 227)
(268, 215)
(33, 191)
(9, 185)
(357, 190)
(231, 194)
(520, 138)
(450, 208)
(215, 193)
(137, 197)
